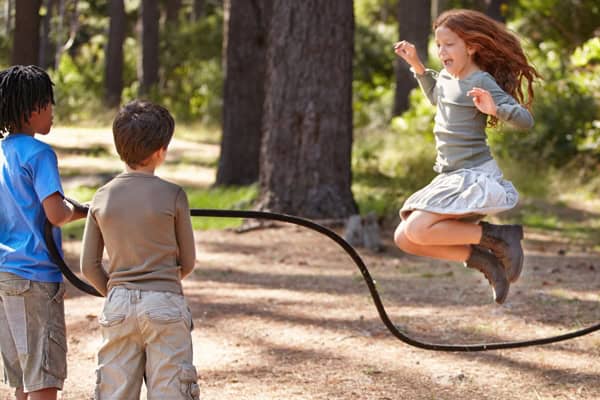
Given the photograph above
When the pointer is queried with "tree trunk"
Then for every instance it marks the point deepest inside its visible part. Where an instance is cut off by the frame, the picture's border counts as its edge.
(438, 7)
(414, 22)
(8, 11)
(26, 39)
(47, 45)
(494, 9)
(245, 48)
(172, 10)
(198, 9)
(113, 68)
(150, 17)
(307, 128)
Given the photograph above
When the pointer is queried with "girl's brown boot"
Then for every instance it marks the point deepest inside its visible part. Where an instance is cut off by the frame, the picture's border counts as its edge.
(484, 261)
(505, 242)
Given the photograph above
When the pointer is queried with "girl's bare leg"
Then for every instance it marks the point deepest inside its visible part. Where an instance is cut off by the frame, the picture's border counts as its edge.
(445, 237)
(450, 253)
(20, 395)
(44, 394)
(437, 235)
(427, 228)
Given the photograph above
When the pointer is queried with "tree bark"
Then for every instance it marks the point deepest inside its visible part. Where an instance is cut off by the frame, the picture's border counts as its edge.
(8, 11)
(198, 9)
(438, 7)
(414, 23)
(113, 68)
(47, 50)
(307, 129)
(26, 39)
(494, 9)
(148, 74)
(246, 30)
(172, 10)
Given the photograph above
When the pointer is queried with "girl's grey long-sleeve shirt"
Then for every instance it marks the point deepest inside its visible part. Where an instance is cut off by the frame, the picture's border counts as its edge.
(144, 224)
(461, 141)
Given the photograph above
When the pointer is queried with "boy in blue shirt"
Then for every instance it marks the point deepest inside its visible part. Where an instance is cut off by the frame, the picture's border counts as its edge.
(32, 321)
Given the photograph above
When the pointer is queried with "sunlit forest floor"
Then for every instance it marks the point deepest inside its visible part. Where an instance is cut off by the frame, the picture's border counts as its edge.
(283, 313)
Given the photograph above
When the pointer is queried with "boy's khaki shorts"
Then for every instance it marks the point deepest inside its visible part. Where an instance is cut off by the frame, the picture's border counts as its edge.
(32, 333)
(146, 337)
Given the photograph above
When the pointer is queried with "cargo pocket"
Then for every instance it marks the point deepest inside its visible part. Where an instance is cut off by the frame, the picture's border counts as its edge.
(59, 295)
(14, 287)
(164, 316)
(107, 320)
(54, 361)
(189, 382)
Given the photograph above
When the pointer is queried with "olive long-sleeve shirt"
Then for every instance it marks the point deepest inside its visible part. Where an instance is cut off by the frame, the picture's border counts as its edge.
(144, 224)
(461, 141)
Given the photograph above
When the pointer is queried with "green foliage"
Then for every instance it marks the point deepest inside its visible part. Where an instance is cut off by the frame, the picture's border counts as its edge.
(368, 12)
(568, 23)
(372, 86)
(192, 78)
(564, 120)
(567, 113)
(78, 84)
(5, 48)
(390, 165)
(191, 73)
(233, 197)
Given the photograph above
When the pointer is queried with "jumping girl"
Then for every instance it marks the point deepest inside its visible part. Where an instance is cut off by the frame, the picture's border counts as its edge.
(480, 84)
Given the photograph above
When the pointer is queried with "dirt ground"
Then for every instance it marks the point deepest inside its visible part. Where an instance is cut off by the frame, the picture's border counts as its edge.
(283, 313)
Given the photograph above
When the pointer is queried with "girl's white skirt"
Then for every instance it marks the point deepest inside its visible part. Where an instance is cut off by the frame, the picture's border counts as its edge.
(475, 191)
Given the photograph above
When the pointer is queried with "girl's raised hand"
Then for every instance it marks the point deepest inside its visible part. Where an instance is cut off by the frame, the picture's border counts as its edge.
(483, 100)
(408, 52)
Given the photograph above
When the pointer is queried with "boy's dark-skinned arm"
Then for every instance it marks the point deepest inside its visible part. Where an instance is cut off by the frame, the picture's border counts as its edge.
(59, 211)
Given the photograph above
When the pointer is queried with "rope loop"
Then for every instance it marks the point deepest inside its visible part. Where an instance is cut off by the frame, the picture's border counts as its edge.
(399, 334)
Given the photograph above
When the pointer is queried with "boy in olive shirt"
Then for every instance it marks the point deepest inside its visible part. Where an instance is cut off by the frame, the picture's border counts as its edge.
(144, 224)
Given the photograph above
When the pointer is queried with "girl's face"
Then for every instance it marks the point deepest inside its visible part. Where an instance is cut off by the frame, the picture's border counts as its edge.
(453, 52)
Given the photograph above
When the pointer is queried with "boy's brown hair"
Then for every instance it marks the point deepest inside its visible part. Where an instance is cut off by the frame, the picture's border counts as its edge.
(141, 128)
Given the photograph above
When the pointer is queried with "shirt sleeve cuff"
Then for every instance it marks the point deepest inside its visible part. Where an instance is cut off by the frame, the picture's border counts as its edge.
(428, 71)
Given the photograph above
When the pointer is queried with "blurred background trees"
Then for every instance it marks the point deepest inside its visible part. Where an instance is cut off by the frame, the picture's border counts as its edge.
(260, 73)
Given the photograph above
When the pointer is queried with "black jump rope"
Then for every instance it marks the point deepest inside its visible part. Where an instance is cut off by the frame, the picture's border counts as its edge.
(195, 212)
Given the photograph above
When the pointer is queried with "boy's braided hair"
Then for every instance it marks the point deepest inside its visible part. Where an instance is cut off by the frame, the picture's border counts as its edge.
(23, 90)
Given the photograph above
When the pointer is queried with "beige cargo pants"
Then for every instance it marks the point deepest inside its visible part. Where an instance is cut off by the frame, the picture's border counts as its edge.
(146, 336)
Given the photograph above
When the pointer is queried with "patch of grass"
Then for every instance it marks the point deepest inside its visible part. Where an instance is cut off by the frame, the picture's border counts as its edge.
(377, 193)
(387, 168)
(73, 230)
(575, 225)
(196, 161)
(95, 151)
(232, 197)
(198, 133)
(83, 194)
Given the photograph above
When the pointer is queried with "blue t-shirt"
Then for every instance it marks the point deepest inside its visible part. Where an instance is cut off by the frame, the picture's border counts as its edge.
(28, 175)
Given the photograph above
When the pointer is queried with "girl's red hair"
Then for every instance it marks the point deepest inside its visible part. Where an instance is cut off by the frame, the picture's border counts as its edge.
(497, 51)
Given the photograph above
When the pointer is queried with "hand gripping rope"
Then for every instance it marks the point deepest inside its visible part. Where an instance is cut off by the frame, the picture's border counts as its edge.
(359, 263)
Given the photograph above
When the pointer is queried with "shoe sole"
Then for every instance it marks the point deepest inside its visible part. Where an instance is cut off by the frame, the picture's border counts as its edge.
(502, 299)
(516, 273)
